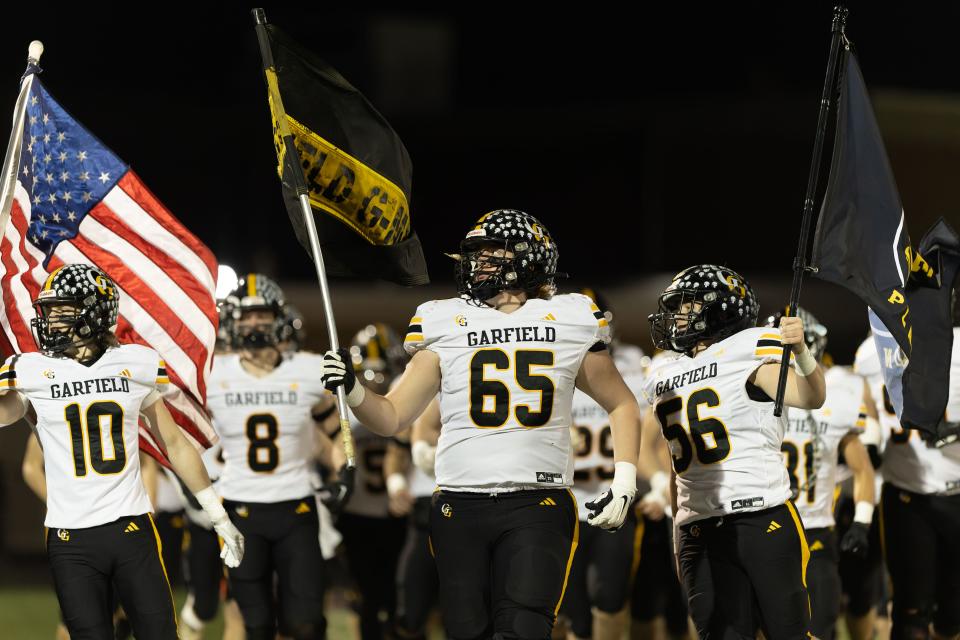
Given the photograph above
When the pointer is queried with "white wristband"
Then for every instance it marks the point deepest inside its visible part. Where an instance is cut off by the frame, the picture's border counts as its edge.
(396, 482)
(210, 502)
(806, 363)
(625, 477)
(863, 513)
(355, 397)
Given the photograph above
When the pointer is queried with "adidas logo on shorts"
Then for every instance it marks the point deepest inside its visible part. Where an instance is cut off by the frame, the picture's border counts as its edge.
(131, 528)
(774, 525)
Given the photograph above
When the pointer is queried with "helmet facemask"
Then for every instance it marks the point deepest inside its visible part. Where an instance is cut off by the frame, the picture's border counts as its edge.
(261, 333)
(62, 326)
(679, 323)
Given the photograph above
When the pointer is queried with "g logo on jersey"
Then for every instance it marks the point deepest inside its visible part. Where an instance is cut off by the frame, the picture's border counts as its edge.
(63, 534)
(461, 320)
(48, 373)
(446, 510)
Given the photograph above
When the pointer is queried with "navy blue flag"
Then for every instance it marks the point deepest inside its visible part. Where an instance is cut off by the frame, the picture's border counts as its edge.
(862, 243)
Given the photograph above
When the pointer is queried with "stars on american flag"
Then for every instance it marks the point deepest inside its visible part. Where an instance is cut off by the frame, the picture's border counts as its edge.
(64, 169)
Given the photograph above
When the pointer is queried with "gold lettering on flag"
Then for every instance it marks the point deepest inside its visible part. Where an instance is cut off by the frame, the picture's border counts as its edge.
(341, 185)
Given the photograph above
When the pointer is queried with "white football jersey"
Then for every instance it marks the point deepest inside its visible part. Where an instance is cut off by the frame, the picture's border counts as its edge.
(87, 425)
(369, 487)
(908, 463)
(507, 384)
(725, 445)
(811, 445)
(266, 428)
(593, 440)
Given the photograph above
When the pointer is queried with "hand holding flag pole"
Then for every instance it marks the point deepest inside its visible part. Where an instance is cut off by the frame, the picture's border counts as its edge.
(300, 185)
(800, 262)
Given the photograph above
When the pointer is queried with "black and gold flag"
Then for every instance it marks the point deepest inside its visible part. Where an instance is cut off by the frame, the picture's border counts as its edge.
(862, 243)
(352, 164)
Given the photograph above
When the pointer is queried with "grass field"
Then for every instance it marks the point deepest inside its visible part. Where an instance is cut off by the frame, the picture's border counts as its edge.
(31, 613)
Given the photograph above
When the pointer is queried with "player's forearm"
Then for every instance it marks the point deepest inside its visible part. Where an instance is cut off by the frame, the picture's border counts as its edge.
(378, 414)
(625, 427)
(863, 485)
(187, 464)
(810, 391)
(397, 460)
(858, 460)
(35, 479)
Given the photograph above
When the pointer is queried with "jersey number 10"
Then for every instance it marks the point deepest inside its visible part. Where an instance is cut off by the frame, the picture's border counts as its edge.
(95, 414)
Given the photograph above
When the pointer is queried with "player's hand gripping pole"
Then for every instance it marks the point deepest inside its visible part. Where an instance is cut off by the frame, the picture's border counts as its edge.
(800, 265)
(300, 186)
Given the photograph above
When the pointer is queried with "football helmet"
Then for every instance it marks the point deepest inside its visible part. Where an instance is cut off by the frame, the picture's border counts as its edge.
(377, 355)
(814, 333)
(256, 292)
(292, 331)
(77, 306)
(482, 273)
(705, 302)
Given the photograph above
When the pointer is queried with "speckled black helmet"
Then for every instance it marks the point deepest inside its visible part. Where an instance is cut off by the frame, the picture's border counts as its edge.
(292, 331)
(704, 303)
(814, 333)
(92, 295)
(532, 266)
(256, 291)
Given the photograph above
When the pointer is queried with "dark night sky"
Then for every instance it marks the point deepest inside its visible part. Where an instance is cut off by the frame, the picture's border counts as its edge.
(682, 134)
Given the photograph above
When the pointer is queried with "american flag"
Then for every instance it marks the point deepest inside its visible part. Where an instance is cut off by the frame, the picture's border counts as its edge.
(74, 200)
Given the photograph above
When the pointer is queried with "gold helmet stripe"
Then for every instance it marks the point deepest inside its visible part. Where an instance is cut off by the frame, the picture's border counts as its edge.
(49, 283)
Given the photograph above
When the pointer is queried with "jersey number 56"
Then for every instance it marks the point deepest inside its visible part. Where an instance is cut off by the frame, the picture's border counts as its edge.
(706, 436)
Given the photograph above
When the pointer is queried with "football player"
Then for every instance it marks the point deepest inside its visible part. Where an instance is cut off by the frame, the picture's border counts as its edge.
(262, 405)
(372, 536)
(864, 580)
(920, 522)
(742, 550)
(814, 443)
(604, 564)
(417, 582)
(657, 592)
(88, 392)
(203, 573)
(505, 357)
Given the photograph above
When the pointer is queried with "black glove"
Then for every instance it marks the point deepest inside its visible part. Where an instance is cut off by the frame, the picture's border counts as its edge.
(338, 370)
(856, 541)
(335, 495)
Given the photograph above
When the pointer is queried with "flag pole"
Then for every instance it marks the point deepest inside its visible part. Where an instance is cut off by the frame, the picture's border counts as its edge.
(12, 157)
(300, 186)
(800, 264)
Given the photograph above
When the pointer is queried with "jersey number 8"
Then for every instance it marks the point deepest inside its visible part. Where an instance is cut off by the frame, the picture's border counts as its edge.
(707, 435)
(263, 456)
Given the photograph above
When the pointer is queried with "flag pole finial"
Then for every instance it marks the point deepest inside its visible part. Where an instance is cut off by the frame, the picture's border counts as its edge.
(34, 51)
(840, 14)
